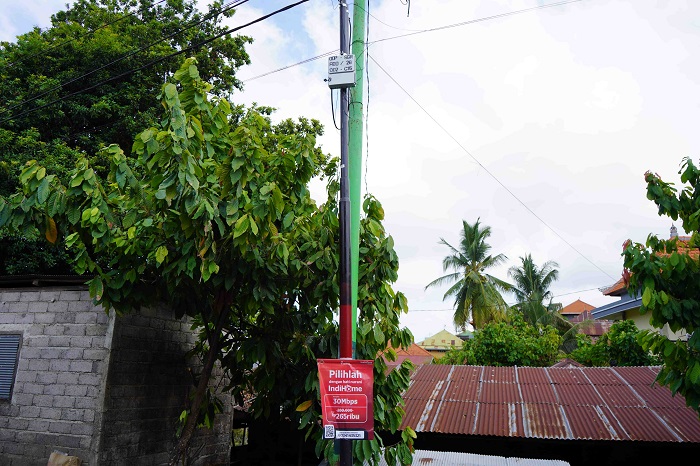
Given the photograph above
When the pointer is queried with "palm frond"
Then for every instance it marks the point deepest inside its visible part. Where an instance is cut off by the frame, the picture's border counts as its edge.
(450, 277)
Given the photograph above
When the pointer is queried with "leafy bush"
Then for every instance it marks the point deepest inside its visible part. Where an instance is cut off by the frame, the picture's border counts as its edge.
(618, 347)
(511, 343)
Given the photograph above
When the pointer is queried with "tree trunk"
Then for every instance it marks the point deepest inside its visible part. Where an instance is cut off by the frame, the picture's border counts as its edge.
(191, 424)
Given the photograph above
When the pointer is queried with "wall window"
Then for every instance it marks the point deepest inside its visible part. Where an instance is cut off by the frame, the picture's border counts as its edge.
(9, 354)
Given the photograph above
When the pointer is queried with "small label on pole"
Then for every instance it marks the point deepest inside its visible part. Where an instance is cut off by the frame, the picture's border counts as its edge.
(347, 403)
(341, 71)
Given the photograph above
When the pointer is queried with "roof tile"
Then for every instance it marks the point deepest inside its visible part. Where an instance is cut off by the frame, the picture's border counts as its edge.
(577, 307)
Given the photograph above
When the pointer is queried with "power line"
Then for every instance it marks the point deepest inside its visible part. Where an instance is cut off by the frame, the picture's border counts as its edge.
(179, 52)
(207, 17)
(452, 309)
(308, 60)
(478, 20)
(421, 31)
(486, 169)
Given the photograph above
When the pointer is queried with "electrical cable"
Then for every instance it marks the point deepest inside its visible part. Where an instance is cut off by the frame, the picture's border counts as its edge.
(207, 17)
(308, 60)
(366, 69)
(179, 52)
(393, 27)
(452, 309)
(486, 169)
(464, 23)
(333, 111)
(478, 20)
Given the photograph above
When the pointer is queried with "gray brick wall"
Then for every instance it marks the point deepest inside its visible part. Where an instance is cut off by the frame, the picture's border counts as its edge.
(147, 385)
(57, 386)
(105, 389)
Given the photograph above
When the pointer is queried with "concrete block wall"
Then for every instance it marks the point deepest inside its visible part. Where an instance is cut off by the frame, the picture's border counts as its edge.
(147, 384)
(63, 354)
(106, 389)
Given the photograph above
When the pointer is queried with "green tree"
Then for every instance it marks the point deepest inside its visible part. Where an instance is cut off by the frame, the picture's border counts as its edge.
(531, 286)
(618, 347)
(667, 280)
(589, 353)
(477, 294)
(25, 255)
(530, 282)
(60, 101)
(60, 80)
(214, 219)
(508, 343)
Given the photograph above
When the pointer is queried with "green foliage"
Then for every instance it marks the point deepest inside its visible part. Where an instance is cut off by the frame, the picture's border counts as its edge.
(477, 294)
(86, 38)
(459, 355)
(215, 220)
(508, 343)
(530, 282)
(588, 353)
(667, 281)
(531, 287)
(622, 345)
(22, 255)
(90, 37)
(618, 347)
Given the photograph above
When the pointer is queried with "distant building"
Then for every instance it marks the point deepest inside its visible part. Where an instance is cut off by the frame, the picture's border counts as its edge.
(581, 312)
(414, 353)
(575, 309)
(567, 362)
(628, 307)
(466, 335)
(440, 343)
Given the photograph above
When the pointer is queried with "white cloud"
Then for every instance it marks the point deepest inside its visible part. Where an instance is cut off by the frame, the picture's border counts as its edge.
(567, 107)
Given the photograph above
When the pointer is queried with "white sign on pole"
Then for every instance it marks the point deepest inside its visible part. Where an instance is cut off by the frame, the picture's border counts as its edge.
(341, 71)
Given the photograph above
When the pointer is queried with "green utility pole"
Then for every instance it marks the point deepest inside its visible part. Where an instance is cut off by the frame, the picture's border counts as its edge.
(359, 18)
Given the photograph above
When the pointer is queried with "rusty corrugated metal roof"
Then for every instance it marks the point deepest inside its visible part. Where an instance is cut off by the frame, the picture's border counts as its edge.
(592, 403)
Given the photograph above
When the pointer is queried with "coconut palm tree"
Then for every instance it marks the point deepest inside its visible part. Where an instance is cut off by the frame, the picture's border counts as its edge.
(477, 294)
(535, 300)
(531, 283)
(531, 288)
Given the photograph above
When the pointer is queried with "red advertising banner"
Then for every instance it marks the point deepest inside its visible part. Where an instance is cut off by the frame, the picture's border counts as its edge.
(347, 398)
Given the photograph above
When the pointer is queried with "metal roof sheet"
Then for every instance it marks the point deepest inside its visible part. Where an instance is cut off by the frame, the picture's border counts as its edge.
(624, 304)
(596, 403)
(447, 458)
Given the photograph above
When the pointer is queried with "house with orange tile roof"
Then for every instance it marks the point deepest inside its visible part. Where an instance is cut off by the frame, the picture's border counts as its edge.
(570, 311)
(580, 311)
(628, 307)
(413, 353)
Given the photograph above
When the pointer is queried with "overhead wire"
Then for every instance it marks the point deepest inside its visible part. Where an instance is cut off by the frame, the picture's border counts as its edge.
(366, 70)
(510, 304)
(494, 177)
(152, 62)
(478, 20)
(326, 54)
(420, 31)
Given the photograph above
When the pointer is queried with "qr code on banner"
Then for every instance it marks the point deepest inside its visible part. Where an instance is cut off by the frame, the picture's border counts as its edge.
(328, 431)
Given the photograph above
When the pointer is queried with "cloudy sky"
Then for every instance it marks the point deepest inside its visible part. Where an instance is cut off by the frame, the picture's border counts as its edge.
(538, 121)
